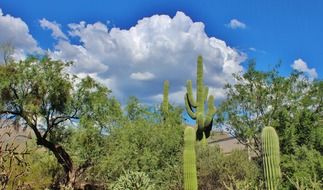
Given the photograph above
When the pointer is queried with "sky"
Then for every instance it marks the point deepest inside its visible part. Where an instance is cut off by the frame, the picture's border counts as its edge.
(133, 46)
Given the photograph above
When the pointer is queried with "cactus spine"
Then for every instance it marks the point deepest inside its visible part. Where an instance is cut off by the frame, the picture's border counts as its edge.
(164, 107)
(190, 176)
(195, 109)
(270, 147)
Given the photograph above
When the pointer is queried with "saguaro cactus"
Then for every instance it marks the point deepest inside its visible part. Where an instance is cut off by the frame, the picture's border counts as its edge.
(270, 147)
(195, 109)
(190, 177)
(164, 107)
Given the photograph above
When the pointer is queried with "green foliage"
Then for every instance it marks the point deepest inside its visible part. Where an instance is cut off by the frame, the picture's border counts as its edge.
(271, 158)
(87, 148)
(97, 109)
(39, 93)
(195, 108)
(292, 105)
(43, 169)
(189, 157)
(303, 169)
(33, 168)
(141, 145)
(134, 109)
(133, 180)
(12, 160)
(226, 171)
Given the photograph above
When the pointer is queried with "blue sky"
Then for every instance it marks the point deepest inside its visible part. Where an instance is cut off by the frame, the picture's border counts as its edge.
(267, 31)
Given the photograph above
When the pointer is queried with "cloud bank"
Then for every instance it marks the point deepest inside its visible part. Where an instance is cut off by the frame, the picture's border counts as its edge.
(15, 32)
(54, 27)
(137, 60)
(301, 65)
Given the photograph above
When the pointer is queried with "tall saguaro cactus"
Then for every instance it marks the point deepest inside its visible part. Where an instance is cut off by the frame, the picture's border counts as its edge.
(270, 147)
(195, 109)
(189, 157)
(165, 99)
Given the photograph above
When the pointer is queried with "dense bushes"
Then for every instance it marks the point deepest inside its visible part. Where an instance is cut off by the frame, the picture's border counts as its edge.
(303, 169)
(219, 171)
(155, 150)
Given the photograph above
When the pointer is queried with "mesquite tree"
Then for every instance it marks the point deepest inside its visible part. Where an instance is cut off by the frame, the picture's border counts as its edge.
(39, 94)
(291, 104)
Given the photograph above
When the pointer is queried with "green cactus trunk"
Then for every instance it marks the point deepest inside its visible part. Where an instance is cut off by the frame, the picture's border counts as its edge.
(164, 106)
(271, 160)
(200, 95)
(189, 157)
(195, 109)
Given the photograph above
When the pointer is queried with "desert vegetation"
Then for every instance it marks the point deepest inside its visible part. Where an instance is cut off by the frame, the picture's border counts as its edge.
(81, 137)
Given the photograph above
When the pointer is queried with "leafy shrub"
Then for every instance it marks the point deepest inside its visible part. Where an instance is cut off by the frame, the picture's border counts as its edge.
(304, 169)
(43, 169)
(219, 171)
(139, 146)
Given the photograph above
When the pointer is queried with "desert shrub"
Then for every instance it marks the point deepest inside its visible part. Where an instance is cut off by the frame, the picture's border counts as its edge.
(303, 170)
(13, 165)
(34, 168)
(140, 146)
(43, 169)
(219, 171)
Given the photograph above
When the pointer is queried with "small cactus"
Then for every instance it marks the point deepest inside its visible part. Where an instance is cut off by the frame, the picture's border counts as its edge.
(195, 109)
(164, 106)
(271, 160)
(189, 157)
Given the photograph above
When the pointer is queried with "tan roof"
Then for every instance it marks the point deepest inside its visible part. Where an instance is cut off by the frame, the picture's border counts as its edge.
(226, 142)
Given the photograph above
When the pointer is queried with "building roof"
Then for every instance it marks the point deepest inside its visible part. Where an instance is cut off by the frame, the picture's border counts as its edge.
(226, 142)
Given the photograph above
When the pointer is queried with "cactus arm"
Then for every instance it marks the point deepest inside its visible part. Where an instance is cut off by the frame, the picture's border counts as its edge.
(209, 117)
(189, 107)
(205, 92)
(210, 113)
(189, 159)
(207, 130)
(190, 94)
(271, 160)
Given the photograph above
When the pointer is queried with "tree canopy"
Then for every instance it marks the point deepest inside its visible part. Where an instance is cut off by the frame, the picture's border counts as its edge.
(40, 94)
(292, 105)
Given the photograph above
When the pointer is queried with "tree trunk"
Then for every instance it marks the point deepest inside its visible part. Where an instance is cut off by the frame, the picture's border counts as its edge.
(62, 157)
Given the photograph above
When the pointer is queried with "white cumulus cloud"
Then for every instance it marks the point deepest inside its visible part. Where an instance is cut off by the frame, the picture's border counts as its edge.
(142, 76)
(136, 60)
(301, 65)
(54, 27)
(235, 24)
(15, 32)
